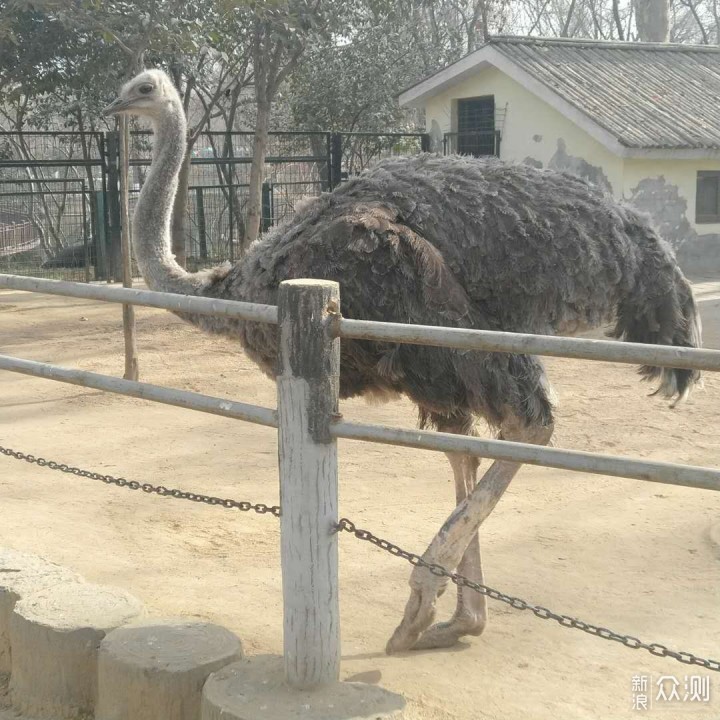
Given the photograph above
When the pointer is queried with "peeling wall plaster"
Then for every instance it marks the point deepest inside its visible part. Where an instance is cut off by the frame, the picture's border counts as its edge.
(667, 208)
(668, 211)
(576, 165)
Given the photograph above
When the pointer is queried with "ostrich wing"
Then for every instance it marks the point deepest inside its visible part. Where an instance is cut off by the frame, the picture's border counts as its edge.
(388, 272)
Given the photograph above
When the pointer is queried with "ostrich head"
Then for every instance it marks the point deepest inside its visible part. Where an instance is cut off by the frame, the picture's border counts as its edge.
(150, 94)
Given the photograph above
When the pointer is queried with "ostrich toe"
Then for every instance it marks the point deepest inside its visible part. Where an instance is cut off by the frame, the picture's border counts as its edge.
(419, 611)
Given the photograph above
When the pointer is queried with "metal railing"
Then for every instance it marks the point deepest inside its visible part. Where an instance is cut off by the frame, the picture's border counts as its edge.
(308, 422)
(58, 226)
(478, 144)
(298, 164)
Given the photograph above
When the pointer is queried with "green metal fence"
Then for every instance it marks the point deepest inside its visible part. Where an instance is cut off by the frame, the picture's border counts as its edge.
(59, 199)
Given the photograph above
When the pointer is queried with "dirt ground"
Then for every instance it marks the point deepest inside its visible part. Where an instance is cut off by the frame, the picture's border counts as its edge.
(633, 556)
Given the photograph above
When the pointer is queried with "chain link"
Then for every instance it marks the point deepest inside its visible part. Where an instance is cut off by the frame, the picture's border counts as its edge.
(541, 612)
(348, 526)
(244, 506)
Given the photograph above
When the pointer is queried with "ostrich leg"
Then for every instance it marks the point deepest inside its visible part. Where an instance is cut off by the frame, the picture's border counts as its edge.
(450, 544)
(470, 614)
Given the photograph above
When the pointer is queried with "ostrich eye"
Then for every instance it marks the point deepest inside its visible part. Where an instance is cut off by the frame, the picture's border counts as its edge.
(145, 88)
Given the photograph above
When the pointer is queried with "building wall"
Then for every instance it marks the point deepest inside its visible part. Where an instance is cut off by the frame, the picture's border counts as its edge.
(666, 190)
(534, 132)
(671, 176)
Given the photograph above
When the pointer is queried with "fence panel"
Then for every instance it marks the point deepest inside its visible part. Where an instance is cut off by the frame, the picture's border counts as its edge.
(309, 423)
(297, 165)
(49, 223)
(477, 144)
(44, 232)
(361, 150)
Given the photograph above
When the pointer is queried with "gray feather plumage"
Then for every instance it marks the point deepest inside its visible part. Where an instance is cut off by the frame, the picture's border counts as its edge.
(470, 243)
(434, 240)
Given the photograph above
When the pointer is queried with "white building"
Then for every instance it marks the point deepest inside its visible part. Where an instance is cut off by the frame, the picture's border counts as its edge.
(639, 119)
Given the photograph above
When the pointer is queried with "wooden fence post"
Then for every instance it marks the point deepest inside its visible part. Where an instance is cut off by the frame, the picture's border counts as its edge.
(308, 385)
(132, 365)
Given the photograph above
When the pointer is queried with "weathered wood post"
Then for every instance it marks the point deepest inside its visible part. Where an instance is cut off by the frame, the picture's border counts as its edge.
(308, 386)
(132, 365)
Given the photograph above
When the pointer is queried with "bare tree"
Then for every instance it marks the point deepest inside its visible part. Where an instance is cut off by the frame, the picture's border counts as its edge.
(594, 19)
(652, 19)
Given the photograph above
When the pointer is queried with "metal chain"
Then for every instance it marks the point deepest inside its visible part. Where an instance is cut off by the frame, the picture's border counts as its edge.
(565, 620)
(348, 526)
(259, 508)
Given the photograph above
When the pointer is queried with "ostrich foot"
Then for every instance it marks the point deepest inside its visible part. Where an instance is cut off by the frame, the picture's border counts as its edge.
(446, 634)
(419, 611)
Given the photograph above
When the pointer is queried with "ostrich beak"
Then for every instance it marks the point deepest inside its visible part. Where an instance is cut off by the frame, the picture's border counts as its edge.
(118, 105)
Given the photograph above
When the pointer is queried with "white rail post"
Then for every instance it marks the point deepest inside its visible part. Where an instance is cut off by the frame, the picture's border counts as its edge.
(308, 386)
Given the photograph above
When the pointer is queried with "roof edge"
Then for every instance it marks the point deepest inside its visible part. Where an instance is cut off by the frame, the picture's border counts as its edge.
(578, 42)
(605, 44)
(490, 56)
(432, 85)
(676, 153)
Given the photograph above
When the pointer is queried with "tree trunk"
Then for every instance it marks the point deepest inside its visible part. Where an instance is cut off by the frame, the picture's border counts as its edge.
(178, 229)
(257, 170)
(132, 364)
(618, 20)
(319, 145)
(652, 20)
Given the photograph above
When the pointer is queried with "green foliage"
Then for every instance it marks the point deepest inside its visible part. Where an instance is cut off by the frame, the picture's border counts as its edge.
(350, 82)
(46, 68)
(63, 58)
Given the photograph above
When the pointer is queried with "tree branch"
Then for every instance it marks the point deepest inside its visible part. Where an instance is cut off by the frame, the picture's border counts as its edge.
(116, 39)
(693, 9)
(616, 17)
(566, 24)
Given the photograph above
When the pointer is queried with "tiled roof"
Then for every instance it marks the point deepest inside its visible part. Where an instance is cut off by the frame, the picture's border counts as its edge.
(648, 95)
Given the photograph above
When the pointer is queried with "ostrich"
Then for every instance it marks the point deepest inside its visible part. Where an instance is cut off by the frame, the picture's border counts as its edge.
(438, 241)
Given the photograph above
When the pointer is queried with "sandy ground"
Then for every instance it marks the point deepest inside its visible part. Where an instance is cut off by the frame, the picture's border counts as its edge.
(636, 557)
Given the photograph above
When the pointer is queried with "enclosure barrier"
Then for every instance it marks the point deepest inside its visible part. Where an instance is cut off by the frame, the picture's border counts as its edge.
(143, 391)
(298, 164)
(309, 424)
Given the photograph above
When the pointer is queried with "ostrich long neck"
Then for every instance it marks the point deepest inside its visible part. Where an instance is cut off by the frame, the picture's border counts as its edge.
(151, 221)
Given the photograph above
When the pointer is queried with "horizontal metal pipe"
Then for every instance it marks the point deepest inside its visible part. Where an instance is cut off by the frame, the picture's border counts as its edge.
(246, 185)
(52, 163)
(240, 160)
(148, 298)
(248, 133)
(377, 135)
(32, 193)
(661, 472)
(51, 133)
(41, 181)
(491, 340)
(144, 391)
(487, 340)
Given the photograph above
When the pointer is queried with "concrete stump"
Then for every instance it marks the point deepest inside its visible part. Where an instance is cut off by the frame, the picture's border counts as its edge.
(22, 574)
(255, 689)
(55, 636)
(157, 670)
